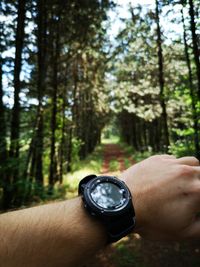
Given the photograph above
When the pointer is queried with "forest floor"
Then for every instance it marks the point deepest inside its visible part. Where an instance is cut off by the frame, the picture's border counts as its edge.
(133, 251)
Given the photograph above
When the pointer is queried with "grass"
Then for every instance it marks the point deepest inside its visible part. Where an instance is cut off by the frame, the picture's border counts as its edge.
(111, 140)
(125, 256)
(91, 165)
(114, 165)
(127, 163)
(134, 155)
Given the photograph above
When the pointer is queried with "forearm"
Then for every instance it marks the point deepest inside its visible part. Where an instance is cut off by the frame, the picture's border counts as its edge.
(53, 235)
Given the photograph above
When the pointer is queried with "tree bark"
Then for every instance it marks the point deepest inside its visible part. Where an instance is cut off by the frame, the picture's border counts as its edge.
(69, 149)
(161, 79)
(191, 86)
(41, 88)
(3, 145)
(15, 121)
(34, 163)
(53, 160)
(62, 142)
(195, 43)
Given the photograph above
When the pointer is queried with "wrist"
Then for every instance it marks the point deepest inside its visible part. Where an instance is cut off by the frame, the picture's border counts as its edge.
(128, 178)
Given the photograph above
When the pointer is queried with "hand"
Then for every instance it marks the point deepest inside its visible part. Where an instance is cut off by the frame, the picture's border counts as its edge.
(166, 197)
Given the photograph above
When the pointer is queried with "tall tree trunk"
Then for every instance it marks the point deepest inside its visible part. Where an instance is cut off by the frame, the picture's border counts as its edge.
(28, 167)
(75, 109)
(15, 122)
(161, 79)
(41, 88)
(191, 86)
(134, 140)
(3, 147)
(34, 162)
(69, 149)
(53, 160)
(62, 141)
(195, 43)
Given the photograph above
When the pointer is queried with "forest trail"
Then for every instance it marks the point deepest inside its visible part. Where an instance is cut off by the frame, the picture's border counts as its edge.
(133, 251)
(113, 152)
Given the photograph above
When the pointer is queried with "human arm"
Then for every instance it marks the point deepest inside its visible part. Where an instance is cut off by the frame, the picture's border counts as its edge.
(54, 235)
(165, 194)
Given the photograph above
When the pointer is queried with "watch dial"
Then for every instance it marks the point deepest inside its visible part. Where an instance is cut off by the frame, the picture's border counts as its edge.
(108, 195)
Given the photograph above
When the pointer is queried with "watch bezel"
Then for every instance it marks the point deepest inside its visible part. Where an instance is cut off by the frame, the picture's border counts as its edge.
(98, 210)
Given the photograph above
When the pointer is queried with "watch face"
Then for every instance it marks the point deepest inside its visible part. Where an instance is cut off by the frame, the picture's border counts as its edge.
(108, 195)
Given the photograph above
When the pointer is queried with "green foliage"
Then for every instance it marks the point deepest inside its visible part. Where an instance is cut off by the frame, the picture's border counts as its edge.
(114, 165)
(182, 148)
(90, 165)
(126, 257)
(127, 163)
(62, 95)
(135, 156)
(136, 82)
(76, 145)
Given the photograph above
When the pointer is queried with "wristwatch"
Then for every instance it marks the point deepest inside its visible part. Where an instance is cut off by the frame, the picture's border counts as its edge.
(109, 200)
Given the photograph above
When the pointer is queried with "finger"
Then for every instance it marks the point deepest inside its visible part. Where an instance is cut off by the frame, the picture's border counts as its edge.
(192, 161)
(197, 170)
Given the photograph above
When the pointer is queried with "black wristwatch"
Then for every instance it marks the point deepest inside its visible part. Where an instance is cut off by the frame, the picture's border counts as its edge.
(109, 199)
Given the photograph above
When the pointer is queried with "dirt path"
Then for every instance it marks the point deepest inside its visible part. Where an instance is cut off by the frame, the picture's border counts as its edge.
(112, 152)
(133, 251)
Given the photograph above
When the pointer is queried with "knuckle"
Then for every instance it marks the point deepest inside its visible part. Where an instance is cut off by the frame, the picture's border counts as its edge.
(195, 160)
(185, 170)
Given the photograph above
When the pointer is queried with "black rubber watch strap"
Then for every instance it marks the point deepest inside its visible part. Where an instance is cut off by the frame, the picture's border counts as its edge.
(120, 227)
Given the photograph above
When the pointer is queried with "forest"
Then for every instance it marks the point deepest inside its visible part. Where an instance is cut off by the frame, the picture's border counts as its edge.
(70, 83)
(63, 79)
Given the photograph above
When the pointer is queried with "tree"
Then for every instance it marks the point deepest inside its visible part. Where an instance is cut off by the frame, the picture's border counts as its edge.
(55, 84)
(161, 78)
(12, 175)
(3, 143)
(195, 43)
(191, 86)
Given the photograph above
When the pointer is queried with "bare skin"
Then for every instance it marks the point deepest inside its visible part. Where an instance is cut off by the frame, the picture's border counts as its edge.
(166, 197)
